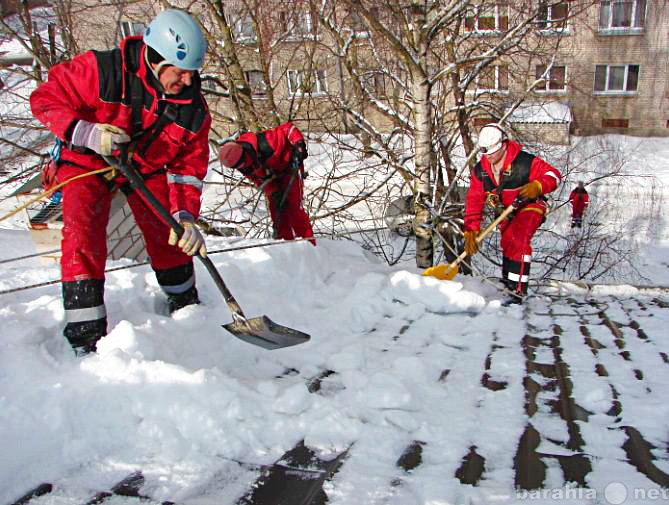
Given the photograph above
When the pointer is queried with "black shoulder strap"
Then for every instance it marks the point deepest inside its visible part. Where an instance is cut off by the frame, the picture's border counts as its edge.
(136, 104)
(168, 115)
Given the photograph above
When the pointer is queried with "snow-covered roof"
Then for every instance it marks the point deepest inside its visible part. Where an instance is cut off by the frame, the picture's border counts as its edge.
(544, 112)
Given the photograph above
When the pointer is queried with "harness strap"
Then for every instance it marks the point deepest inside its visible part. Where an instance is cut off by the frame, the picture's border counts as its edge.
(168, 116)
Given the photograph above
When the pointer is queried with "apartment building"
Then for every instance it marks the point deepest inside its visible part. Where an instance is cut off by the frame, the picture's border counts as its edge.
(610, 71)
(615, 73)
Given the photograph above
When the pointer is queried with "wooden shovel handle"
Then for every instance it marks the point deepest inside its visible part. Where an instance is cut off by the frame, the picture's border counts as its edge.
(487, 231)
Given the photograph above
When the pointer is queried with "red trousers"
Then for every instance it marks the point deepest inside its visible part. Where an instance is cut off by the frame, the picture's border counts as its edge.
(517, 234)
(86, 205)
(285, 196)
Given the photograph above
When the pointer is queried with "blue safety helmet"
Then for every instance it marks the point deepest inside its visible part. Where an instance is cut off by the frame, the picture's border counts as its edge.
(178, 39)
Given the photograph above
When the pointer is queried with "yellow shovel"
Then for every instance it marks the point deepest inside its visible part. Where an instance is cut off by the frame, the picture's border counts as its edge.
(446, 272)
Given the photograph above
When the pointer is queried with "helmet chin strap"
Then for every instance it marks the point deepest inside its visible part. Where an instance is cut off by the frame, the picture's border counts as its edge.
(156, 71)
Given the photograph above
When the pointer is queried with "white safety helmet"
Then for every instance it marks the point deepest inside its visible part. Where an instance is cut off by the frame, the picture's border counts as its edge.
(491, 138)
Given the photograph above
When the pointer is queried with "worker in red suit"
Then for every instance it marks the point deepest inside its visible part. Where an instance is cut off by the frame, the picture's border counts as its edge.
(273, 160)
(148, 88)
(579, 199)
(506, 173)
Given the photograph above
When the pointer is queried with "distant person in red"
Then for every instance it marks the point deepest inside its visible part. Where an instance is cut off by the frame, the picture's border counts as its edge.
(579, 199)
(273, 159)
(505, 173)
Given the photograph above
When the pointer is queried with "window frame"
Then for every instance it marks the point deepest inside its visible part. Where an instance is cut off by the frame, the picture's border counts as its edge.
(476, 30)
(617, 92)
(373, 81)
(546, 90)
(263, 85)
(129, 28)
(241, 37)
(635, 26)
(317, 82)
(497, 68)
(297, 20)
(355, 23)
(562, 26)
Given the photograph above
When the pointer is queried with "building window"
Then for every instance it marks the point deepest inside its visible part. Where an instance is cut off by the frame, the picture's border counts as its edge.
(356, 23)
(298, 25)
(244, 29)
(622, 15)
(131, 29)
(299, 83)
(492, 79)
(488, 19)
(256, 81)
(372, 81)
(616, 79)
(555, 81)
(553, 16)
(615, 123)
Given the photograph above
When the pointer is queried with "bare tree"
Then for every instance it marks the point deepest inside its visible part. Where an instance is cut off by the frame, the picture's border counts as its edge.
(444, 67)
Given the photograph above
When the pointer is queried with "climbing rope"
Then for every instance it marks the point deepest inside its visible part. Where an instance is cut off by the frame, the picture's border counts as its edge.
(49, 192)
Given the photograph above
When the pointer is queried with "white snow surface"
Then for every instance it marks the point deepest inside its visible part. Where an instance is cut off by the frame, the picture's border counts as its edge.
(184, 401)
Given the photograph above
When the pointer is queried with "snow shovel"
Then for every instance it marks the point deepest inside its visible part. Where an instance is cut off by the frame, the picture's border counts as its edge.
(260, 331)
(446, 272)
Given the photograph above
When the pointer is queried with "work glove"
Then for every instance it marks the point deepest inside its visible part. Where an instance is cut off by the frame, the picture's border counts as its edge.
(531, 190)
(471, 247)
(300, 150)
(192, 241)
(99, 137)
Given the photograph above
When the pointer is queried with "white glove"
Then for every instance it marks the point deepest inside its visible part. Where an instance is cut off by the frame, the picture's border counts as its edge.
(191, 242)
(101, 138)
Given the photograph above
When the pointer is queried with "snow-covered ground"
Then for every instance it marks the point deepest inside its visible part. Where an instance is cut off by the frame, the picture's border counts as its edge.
(498, 398)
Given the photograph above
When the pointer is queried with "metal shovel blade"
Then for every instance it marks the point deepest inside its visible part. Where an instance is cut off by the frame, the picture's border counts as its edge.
(265, 333)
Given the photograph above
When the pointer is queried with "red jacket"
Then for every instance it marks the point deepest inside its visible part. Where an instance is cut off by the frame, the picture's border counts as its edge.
(519, 169)
(93, 87)
(579, 200)
(272, 149)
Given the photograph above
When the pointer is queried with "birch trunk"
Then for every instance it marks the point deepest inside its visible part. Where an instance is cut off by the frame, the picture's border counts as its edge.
(423, 162)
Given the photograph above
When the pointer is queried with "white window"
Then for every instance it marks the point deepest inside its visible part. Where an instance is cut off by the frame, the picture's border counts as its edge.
(622, 15)
(244, 30)
(554, 82)
(492, 79)
(357, 24)
(488, 19)
(372, 81)
(553, 16)
(300, 83)
(616, 79)
(256, 81)
(129, 28)
(298, 25)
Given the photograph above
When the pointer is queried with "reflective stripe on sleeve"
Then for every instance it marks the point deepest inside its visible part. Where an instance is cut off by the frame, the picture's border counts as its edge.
(185, 179)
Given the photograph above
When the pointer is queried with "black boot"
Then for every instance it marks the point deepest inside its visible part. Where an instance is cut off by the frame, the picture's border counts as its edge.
(178, 283)
(512, 298)
(85, 314)
(180, 300)
(512, 295)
